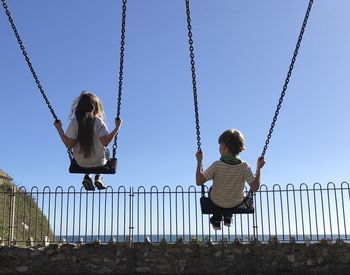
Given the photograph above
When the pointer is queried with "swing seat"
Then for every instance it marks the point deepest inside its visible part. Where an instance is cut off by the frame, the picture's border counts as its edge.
(208, 207)
(108, 168)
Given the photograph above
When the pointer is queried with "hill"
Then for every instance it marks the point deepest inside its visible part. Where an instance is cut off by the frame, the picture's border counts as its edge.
(28, 221)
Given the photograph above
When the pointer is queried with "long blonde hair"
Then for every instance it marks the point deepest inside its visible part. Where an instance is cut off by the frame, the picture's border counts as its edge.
(95, 100)
(85, 108)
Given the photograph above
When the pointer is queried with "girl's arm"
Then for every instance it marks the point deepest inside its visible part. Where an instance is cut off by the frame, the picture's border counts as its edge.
(105, 140)
(255, 184)
(200, 179)
(68, 142)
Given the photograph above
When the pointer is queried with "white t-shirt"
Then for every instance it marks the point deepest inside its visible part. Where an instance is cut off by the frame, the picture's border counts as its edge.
(99, 154)
(228, 182)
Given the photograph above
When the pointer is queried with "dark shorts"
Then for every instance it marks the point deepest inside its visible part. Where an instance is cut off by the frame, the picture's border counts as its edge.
(217, 210)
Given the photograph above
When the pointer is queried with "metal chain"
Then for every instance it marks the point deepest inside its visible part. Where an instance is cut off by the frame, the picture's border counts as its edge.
(121, 67)
(285, 86)
(194, 82)
(193, 70)
(25, 54)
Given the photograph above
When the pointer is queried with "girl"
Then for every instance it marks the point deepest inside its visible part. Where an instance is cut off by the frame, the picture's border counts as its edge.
(87, 135)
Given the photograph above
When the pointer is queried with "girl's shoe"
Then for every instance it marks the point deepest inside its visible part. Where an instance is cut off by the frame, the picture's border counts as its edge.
(87, 183)
(215, 224)
(227, 221)
(99, 183)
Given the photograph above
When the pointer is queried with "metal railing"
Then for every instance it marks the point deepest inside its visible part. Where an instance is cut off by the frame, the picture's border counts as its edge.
(165, 214)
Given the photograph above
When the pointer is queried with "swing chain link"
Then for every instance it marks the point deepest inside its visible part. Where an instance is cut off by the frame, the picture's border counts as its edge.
(193, 70)
(285, 86)
(121, 67)
(25, 54)
(194, 82)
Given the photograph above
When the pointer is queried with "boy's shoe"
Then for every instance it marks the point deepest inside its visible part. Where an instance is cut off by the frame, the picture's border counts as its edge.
(99, 183)
(227, 221)
(215, 224)
(87, 183)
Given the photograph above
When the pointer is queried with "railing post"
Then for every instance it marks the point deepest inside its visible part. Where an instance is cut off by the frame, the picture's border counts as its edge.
(131, 215)
(131, 230)
(255, 219)
(12, 215)
(256, 237)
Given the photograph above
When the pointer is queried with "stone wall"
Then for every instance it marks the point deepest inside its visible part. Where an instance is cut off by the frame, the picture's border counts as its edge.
(191, 258)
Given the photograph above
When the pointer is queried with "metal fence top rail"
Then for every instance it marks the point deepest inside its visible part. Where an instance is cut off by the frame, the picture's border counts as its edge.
(179, 188)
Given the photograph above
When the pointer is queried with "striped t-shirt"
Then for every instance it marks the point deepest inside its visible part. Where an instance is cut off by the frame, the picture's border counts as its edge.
(228, 182)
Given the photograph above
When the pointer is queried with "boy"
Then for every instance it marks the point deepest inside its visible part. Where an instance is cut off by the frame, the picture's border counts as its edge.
(229, 175)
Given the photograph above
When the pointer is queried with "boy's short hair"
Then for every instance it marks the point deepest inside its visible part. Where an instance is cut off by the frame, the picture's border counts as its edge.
(233, 139)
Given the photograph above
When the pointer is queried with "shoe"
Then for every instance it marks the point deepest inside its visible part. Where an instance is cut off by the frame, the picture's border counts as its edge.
(215, 224)
(99, 183)
(87, 183)
(227, 221)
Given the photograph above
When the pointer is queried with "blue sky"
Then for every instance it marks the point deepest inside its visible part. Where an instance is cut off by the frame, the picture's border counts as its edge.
(243, 50)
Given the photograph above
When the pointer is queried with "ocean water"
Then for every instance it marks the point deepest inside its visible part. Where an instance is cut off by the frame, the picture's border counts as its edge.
(186, 238)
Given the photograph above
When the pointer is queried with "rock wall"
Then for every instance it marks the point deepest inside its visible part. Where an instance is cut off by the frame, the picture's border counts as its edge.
(192, 258)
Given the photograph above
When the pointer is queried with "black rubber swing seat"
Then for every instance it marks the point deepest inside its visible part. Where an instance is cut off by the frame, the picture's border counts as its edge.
(108, 168)
(246, 207)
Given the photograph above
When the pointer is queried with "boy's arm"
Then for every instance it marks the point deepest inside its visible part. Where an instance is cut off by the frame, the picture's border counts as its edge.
(68, 142)
(255, 184)
(200, 179)
(105, 140)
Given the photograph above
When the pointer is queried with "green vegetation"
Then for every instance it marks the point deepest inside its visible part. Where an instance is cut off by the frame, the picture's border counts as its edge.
(29, 221)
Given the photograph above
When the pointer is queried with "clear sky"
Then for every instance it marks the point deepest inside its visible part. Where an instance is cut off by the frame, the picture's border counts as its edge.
(243, 50)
